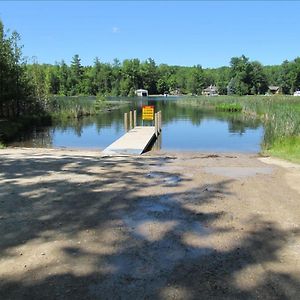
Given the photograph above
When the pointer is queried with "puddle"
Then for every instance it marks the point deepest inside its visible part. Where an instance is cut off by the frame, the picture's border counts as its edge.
(238, 172)
(164, 178)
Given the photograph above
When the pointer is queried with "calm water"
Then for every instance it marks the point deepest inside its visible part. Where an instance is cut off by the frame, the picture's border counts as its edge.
(184, 128)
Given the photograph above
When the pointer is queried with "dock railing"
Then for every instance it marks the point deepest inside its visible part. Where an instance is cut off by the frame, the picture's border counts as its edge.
(130, 121)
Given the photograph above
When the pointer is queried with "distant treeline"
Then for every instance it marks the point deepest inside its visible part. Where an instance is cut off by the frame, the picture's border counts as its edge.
(243, 77)
(26, 88)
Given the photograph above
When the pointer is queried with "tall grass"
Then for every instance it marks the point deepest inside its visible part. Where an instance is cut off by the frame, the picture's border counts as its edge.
(279, 114)
(58, 109)
(78, 106)
(61, 106)
(287, 148)
(229, 107)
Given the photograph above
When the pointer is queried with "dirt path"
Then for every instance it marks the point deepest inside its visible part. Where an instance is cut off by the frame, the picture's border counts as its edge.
(75, 225)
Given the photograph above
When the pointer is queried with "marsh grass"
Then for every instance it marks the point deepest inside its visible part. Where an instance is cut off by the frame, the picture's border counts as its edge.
(287, 148)
(279, 114)
(62, 107)
(72, 107)
(229, 107)
(58, 109)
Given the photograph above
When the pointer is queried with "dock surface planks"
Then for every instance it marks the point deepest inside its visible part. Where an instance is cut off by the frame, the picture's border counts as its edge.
(135, 141)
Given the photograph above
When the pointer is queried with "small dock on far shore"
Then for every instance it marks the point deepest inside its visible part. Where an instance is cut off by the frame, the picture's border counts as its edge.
(137, 139)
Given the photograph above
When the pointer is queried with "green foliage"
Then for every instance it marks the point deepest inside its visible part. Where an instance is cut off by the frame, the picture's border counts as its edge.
(196, 81)
(229, 107)
(243, 77)
(148, 73)
(247, 78)
(64, 79)
(287, 148)
(287, 75)
(14, 91)
(100, 102)
(37, 75)
(76, 76)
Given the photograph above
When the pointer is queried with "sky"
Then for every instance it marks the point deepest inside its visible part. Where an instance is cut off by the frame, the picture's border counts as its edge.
(182, 33)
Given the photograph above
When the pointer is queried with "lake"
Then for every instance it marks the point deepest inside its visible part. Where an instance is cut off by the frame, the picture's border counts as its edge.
(185, 128)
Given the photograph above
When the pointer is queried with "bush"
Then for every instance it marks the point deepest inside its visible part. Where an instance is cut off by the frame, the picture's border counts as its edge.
(229, 107)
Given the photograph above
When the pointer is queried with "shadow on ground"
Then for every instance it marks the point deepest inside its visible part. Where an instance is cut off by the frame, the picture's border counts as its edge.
(105, 239)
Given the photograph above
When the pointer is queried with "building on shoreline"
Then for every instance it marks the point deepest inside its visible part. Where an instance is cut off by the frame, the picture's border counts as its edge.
(273, 90)
(212, 90)
(141, 93)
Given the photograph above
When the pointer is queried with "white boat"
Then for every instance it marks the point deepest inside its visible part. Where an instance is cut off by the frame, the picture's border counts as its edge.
(297, 93)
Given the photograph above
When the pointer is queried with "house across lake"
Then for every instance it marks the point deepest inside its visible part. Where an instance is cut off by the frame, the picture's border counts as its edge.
(141, 93)
(212, 90)
(273, 90)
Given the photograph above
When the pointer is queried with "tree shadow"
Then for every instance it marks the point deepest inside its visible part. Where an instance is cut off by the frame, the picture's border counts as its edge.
(96, 228)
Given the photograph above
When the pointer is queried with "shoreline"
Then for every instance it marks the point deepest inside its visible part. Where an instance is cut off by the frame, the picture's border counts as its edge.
(148, 153)
(82, 151)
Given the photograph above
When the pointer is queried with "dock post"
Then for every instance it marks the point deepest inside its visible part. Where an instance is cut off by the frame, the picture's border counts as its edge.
(156, 123)
(130, 120)
(159, 121)
(125, 122)
(158, 142)
(157, 116)
(134, 118)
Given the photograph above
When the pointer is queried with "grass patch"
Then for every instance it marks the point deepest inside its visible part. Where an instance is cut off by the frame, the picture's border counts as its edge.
(287, 148)
(229, 107)
(71, 107)
(62, 107)
(2, 146)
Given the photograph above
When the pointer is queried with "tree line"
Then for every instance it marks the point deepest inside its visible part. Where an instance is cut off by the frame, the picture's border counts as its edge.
(242, 77)
(28, 87)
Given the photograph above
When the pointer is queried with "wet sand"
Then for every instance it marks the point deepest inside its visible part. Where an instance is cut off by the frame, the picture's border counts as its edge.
(77, 224)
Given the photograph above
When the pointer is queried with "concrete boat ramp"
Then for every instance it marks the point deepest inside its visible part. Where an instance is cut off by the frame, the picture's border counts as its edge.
(134, 142)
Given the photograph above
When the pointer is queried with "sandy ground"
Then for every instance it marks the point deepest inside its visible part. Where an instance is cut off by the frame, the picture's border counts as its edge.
(78, 225)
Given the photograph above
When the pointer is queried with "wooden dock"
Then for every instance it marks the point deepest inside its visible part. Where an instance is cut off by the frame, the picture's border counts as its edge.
(135, 141)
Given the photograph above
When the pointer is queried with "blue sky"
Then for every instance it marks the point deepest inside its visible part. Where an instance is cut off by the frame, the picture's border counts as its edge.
(172, 32)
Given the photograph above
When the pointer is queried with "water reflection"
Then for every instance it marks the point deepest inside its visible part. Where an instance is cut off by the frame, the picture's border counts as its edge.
(184, 128)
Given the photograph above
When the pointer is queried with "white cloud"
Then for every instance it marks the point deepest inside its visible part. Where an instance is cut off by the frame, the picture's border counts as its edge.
(115, 29)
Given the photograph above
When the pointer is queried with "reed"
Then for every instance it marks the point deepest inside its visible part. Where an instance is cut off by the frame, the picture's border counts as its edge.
(229, 107)
(73, 107)
(279, 114)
